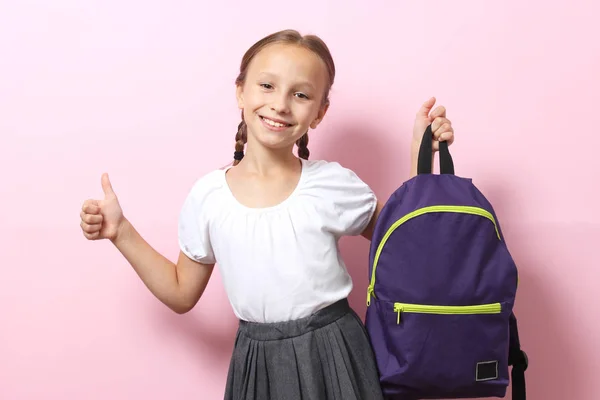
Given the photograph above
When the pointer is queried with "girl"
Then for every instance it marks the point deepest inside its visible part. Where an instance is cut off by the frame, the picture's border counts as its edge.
(272, 221)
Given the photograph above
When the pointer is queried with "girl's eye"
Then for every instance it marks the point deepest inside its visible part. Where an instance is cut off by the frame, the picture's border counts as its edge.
(266, 86)
(302, 96)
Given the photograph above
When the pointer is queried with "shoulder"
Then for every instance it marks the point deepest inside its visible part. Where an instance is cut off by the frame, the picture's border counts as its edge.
(337, 184)
(328, 169)
(347, 202)
(205, 193)
(332, 175)
(207, 184)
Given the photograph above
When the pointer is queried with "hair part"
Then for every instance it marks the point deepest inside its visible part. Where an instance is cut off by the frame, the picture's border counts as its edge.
(288, 36)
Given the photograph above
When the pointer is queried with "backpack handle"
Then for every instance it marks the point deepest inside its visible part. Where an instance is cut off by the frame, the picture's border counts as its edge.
(424, 162)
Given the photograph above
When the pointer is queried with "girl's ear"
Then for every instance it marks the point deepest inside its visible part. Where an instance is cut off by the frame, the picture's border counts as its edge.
(239, 94)
(320, 116)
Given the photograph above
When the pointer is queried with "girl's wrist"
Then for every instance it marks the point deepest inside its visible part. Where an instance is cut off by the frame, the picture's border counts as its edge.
(123, 232)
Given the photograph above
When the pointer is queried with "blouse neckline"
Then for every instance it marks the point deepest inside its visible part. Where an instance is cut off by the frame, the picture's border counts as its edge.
(281, 204)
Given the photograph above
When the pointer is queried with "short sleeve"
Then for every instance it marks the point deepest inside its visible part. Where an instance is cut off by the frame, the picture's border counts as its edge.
(353, 200)
(193, 227)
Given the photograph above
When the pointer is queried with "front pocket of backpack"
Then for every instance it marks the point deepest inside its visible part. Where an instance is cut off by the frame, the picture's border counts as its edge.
(491, 308)
(450, 350)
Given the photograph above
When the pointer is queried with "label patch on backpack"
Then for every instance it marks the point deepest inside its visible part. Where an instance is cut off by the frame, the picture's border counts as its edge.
(486, 371)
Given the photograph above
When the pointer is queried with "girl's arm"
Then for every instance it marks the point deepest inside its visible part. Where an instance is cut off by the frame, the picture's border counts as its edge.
(368, 232)
(179, 286)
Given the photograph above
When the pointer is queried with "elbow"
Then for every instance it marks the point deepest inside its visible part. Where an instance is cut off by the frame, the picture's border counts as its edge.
(181, 308)
(182, 305)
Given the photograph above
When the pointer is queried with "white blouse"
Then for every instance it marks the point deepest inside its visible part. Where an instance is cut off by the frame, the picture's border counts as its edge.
(283, 262)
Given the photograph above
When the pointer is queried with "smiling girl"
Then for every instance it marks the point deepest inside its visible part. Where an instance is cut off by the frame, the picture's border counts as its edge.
(271, 222)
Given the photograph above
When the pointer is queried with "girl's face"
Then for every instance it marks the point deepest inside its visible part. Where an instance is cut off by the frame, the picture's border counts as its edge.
(282, 96)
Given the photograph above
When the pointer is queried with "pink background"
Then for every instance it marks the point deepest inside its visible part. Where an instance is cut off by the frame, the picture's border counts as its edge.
(144, 90)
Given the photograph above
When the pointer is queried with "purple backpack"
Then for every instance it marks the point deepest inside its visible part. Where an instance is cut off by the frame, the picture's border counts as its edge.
(442, 290)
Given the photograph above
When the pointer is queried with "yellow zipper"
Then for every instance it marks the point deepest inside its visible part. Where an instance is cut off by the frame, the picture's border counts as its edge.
(431, 209)
(492, 308)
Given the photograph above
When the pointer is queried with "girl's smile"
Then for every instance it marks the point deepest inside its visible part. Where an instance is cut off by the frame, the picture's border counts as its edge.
(273, 124)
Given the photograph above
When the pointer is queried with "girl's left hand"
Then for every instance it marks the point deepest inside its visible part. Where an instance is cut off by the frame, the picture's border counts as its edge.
(440, 125)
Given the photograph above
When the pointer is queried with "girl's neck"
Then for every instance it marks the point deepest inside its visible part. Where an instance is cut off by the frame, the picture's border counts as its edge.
(263, 161)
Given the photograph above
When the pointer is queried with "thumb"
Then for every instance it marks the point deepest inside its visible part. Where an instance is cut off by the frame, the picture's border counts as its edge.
(426, 108)
(106, 186)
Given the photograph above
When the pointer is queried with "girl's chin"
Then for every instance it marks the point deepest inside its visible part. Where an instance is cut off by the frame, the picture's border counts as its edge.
(274, 143)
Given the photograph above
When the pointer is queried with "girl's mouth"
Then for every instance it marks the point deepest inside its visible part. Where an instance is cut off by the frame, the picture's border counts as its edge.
(273, 123)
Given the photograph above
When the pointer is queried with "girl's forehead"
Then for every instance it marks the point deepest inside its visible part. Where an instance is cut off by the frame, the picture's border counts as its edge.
(289, 61)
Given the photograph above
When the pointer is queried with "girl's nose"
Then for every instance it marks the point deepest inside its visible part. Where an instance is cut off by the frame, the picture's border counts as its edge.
(280, 104)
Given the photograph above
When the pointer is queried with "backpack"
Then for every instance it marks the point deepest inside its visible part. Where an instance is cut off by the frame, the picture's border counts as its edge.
(442, 289)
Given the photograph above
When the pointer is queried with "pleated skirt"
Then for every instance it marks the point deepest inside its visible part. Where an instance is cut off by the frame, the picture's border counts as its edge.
(326, 356)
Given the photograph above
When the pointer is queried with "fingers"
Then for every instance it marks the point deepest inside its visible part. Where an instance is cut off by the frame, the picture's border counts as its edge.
(90, 228)
(91, 219)
(91, 207)
(439, 111)
(106, 186)
(438, 123)
(442, 130)
(91, 236)
(426, 108)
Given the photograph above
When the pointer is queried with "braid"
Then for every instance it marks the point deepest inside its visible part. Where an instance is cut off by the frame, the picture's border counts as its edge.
(302, 143)
(240, 141)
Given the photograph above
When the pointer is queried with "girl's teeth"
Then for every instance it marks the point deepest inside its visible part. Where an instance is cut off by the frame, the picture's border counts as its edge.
(273, 123)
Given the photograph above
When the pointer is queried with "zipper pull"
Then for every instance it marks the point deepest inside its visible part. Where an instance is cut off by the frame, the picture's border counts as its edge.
(398, 309)
(369, 291)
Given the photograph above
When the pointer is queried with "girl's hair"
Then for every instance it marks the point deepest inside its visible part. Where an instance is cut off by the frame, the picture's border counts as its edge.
(310, 42)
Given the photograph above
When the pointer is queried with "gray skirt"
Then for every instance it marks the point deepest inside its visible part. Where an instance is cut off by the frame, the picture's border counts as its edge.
(326, 356)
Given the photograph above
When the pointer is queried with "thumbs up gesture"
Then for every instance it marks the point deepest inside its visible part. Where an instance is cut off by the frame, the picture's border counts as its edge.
(102, 219)
(440, 125)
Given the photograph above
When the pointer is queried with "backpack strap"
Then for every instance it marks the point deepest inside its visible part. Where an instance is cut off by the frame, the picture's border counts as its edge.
(425, 159)
(519, 361)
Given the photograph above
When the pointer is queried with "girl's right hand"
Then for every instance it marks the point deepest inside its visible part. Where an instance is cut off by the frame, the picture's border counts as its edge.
(102, 219)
